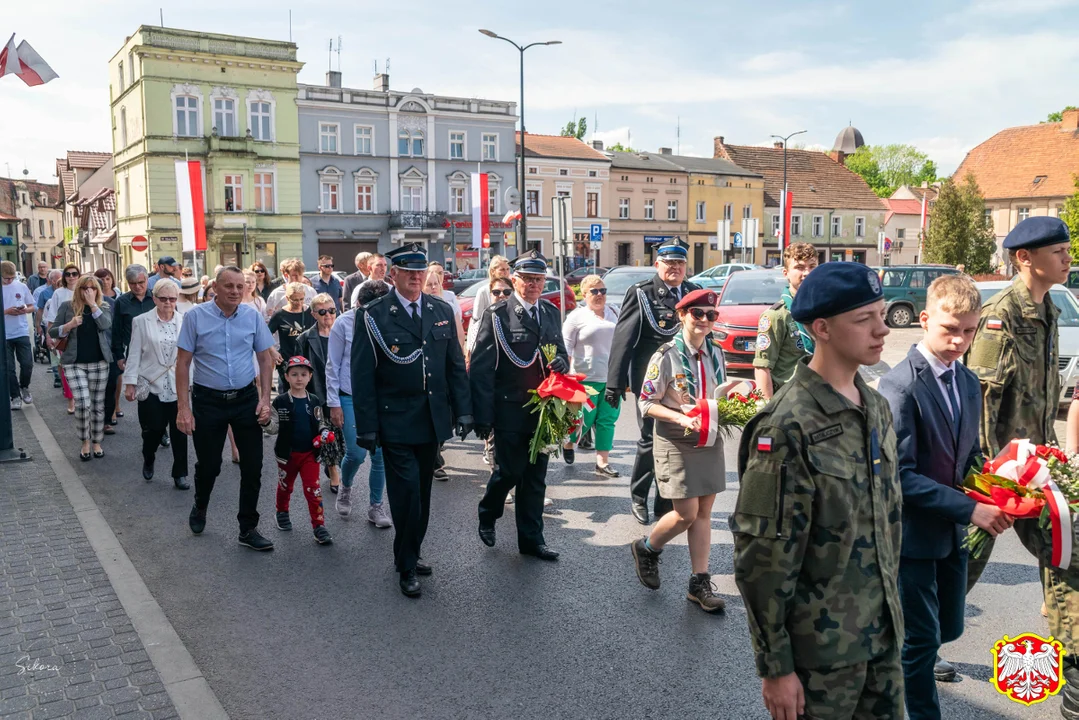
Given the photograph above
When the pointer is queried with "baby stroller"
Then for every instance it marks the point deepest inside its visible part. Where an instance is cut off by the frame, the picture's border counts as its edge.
(41, 352)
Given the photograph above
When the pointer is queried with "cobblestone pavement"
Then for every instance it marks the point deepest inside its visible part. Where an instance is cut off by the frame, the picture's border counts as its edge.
(67, 648)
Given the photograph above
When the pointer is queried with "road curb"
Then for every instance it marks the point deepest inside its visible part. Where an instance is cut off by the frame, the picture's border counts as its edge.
(189, 691)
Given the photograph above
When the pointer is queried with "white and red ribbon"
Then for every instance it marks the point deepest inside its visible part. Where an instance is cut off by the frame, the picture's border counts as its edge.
(708, 410)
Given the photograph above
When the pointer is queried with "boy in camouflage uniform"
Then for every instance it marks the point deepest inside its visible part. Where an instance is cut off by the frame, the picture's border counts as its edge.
(781, 341)
(817, 523)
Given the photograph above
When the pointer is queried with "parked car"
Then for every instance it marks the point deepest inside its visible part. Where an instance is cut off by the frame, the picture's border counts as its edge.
(1073, 281)
(1069, 331)
(574, 277)
(550, 292)
(466, 279)
(744, 296)
(715, 277)
(618, 280)
(312, 274)
(904, 290)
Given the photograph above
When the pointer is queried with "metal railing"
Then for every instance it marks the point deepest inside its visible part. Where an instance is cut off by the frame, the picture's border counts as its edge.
(417, 220)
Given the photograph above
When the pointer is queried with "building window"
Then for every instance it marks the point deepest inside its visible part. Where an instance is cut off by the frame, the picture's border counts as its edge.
(592, 173)
(52, 228)
(728, 211)
(365, 140)
(259, 121)
(672, 210)
(127, 196)
(1060, 210)
(365, 198)
(492, 201)
(1023, 213)
(532, 202)
(412, 198)
(563, 171)
(625, 178)
(457, 146)
(131, 68)
(623, 208)
(234, 193)
(123, 127)
(837, 225)
(775, 226)
(592, 204)
(187, 116)
(417, 144)
(27, 229)
(490, 147)
(122, 78)
(859, 227)
(747, 212)
(531, 171)
(225, 116)
(648, 179)
(331, 194)
(796, 225)
(649, 209)
(989, 218)
(900, 233)
(410, 144)
(264, 192)
(327, 137)
(701, 211)
(457, 200)
(818, 226)
(41, 228)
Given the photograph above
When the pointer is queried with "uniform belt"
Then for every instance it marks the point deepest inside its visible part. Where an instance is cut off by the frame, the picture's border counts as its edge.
(201, 391)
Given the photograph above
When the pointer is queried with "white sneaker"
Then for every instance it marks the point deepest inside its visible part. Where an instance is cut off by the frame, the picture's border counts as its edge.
(16, 403)
(378, 516)
(509, 499)
(548, 502)
(27, 398)
(344, 501)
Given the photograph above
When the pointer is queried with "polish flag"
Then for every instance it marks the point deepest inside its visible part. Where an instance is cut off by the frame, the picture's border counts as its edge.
(26, 63)
(511, 216)
(481, 220)
(764, 444)
(191, 205)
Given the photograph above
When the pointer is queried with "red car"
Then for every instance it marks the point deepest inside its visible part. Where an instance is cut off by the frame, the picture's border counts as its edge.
(744, 297)
(550, 292)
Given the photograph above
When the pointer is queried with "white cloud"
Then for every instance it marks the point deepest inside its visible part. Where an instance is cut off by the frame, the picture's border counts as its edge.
(610, 137)
(944, 151)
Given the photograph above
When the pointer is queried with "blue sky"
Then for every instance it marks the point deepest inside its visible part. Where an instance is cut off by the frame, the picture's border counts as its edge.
(940, 75)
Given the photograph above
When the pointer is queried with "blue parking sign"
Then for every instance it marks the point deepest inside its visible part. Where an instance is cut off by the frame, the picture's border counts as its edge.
(595, 232)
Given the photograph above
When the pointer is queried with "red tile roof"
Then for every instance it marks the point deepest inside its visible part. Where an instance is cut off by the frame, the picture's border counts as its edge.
(815, 180)
(563, 148)
(905, 207)
(1031, 161)
(919, 191)
(7, 194)
(65, 167)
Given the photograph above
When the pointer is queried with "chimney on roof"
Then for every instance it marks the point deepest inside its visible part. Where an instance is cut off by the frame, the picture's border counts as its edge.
(778, 145)
(597, 145)
(718, 150)
(333, 78)
(1070, 122)
(382, 82)
(665, 151)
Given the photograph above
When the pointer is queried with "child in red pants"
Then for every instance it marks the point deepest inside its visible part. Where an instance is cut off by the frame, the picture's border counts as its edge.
(299, 437)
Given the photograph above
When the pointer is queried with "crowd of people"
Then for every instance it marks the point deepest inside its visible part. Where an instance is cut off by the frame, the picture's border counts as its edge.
(849, 522)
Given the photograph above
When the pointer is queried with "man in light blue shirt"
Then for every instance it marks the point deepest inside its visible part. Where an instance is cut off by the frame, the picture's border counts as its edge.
(221, 338)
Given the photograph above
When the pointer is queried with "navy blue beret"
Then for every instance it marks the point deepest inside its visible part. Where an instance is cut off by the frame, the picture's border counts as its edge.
(1036, 232)
(835, 288)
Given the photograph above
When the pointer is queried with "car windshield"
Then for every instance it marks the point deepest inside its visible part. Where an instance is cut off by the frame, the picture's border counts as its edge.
(618, 282)
(751, 288)
(471, 290)
(1064, 300)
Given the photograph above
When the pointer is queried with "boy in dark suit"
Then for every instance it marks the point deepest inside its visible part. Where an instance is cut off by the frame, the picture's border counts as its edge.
(936, 403)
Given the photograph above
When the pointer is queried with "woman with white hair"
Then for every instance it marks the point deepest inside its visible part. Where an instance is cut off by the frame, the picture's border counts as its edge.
(499, 267)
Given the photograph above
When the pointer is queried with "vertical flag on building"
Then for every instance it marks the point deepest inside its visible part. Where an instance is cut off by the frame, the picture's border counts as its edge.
(24, 62)
(191, 205)
(788, 201)
(481, 220)
(921, 233)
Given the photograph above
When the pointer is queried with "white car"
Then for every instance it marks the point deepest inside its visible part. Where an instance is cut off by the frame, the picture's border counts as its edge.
(1069, 332)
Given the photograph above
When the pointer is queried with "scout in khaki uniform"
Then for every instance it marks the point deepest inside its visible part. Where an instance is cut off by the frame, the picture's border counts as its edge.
(782, 341)
(817, 523)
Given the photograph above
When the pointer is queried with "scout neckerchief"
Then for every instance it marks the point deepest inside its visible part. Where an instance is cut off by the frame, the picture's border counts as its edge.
(687, 364)
(807, 339)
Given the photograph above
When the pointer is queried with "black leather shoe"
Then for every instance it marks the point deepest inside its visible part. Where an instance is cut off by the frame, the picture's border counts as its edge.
(542, 552)
(147, 471)
(568, 455)
(410, 585)
(254, 540)
(165, 442)
(180, 483)
(586, 442)
(606, 471)
(487, 535)
(640, 511)
(197, 520)
(423, 570)
(441, 475)
(943, 670)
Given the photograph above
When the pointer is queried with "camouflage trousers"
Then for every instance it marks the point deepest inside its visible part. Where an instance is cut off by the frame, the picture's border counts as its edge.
(1060, 587)
(870, 690)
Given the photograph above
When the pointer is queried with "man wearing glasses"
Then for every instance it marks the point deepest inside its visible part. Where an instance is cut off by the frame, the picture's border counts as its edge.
(647, 320)
(327, 283)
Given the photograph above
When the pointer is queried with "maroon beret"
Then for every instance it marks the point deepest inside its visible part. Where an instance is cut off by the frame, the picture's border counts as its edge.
(698, 298)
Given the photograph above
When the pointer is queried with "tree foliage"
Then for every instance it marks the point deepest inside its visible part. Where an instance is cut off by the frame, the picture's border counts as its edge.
(958, 232)
(886, 167)
(619, 147)
(1070, 216)
(576, 129)
(1059, 116)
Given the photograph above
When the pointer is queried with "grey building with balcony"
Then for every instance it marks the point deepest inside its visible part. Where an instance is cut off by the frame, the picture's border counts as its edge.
(381, 167)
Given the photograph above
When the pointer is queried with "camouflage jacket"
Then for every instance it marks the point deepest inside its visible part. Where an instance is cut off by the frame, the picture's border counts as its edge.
(817, 528)
(1015, 356)
(779, 347)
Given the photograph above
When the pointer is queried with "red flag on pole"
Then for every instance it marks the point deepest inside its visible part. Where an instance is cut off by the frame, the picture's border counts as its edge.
(191, 204)
(25, 63)
(481, 219)
(788, 199)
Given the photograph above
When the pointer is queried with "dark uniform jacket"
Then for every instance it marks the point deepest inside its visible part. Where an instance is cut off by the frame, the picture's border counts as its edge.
(636, 339)
(309, 345)
(408, 403)
(127, 309)
(499, 387)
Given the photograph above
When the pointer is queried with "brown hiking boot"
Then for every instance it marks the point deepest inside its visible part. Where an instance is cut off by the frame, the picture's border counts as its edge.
(647, 562)
(702, 592)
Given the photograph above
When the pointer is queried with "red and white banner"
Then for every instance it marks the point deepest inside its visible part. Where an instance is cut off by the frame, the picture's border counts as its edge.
(511, 216)
(481, 220)
(24, 62)
(191, 204)
(708, 410)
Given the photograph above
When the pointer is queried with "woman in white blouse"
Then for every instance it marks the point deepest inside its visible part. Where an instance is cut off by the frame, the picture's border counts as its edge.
(433, 286)
(588, 332)
(150, 377)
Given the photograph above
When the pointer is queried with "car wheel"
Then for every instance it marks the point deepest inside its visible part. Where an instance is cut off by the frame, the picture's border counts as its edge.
(900, 316)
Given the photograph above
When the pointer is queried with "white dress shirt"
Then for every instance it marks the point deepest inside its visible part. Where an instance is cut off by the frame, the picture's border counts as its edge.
(405, 302)
(939, 368)
(339, 358)
(527, 306)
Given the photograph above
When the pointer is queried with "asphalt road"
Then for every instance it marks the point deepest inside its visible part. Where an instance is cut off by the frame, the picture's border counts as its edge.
(323, 632)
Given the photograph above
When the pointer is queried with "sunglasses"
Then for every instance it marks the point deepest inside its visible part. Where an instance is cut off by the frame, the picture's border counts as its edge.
(330, 266)
(327, 311)
(165, 298)
(598, 291)
(260, 271)
(501, 293)
(72, 274)
(701, 314)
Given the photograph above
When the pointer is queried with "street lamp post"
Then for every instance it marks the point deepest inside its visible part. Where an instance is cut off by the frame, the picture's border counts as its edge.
(523, 241)
(786, 210)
